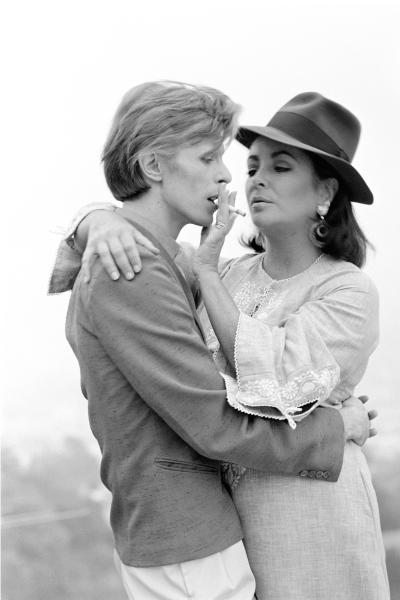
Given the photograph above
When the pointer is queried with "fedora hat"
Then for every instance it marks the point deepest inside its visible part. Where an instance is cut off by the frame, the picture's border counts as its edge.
(316, 124)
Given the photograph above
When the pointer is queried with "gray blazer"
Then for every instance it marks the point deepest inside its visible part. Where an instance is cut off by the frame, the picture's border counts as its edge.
(157, 406)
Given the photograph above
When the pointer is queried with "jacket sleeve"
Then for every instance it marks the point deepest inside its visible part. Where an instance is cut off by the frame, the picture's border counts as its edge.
(290, 368)
(148, 330)
(65, 270)
(68, 260)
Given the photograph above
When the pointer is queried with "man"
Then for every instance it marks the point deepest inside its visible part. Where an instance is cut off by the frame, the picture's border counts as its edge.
(157, 404)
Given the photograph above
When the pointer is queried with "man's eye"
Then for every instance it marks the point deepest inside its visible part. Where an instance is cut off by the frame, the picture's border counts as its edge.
(251, 172)
(281, 168)
(207, 159)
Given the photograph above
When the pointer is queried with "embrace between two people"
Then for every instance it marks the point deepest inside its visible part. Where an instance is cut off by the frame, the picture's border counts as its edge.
(254, 385)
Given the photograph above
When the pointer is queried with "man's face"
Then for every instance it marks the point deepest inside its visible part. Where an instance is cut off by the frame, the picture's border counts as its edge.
(190, 182)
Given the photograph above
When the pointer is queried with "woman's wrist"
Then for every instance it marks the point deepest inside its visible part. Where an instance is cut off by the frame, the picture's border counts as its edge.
(207, 273)
(87, 225)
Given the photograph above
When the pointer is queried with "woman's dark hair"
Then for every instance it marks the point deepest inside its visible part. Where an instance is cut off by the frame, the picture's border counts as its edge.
(344, 237)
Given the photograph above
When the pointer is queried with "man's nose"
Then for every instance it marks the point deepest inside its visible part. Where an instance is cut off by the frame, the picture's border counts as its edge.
(224, 175)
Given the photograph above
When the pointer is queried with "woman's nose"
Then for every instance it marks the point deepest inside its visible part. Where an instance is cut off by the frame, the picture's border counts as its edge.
(258, 182)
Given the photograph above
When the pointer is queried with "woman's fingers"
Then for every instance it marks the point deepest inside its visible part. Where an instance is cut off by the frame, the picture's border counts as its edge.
(223, 210)
(107, 260)
(118, 252)
(232, 198)
(125, 255)
(225, 215)
(232, 213)
(372, 414)
(141, 240)
(89, 257)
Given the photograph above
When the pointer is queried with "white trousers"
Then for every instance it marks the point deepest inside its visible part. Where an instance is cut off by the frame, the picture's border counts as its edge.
(225, 575)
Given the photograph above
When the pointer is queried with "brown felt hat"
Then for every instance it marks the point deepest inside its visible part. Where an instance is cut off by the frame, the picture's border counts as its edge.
(316, 124)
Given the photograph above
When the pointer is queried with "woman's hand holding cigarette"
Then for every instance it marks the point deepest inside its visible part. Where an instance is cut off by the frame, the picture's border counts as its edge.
(212, 238)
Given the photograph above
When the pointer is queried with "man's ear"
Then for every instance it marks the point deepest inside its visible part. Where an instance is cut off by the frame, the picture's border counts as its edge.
(150, 166)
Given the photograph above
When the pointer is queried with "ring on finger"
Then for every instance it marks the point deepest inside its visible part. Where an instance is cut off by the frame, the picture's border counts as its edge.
(219, 224)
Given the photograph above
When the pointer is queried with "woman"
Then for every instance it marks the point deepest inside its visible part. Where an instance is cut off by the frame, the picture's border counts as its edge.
(292, 327)
(286, 323)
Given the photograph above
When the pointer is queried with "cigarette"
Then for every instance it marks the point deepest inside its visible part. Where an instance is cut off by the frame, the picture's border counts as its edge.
(237, 211)
(232, 209)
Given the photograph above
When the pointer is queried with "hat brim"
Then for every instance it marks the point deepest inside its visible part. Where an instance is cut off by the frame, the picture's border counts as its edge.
(358, 189)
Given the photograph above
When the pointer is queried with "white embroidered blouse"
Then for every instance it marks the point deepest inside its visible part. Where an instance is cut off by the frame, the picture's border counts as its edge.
(300, 342)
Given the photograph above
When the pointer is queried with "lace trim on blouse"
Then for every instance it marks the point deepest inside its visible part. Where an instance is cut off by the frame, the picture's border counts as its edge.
(251, 299)
(266, 396)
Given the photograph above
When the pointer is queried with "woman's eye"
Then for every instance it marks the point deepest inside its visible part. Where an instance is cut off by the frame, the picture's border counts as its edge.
(207, 159)
(251, 172)
(281, 168)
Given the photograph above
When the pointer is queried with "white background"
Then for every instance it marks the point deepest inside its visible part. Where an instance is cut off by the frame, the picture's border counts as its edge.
(67, 65)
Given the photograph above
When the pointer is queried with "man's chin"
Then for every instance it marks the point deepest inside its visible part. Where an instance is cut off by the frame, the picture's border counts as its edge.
(205, 221)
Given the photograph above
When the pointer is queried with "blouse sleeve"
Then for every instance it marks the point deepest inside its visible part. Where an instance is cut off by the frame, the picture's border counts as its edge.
(284, 371)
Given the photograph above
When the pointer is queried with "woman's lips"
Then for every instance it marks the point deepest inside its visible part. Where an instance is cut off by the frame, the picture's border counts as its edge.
(259, 200)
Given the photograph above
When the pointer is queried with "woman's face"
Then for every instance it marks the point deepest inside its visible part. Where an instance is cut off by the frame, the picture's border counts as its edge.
(282, 190)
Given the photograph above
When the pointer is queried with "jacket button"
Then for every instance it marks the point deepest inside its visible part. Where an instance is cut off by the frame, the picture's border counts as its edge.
(303, 473)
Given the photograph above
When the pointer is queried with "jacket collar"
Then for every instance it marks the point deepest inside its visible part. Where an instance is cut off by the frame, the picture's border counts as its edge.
(171, 245)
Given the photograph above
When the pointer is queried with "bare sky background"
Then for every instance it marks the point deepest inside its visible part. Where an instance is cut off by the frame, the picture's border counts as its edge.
(67, 65)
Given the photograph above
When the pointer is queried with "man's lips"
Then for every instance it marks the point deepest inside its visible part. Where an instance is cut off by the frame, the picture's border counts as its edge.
(213, 201)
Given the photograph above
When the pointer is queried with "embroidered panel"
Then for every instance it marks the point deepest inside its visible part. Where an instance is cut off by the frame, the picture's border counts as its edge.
(253, 300)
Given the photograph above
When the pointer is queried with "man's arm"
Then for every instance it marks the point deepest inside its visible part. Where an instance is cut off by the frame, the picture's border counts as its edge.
(147, 328)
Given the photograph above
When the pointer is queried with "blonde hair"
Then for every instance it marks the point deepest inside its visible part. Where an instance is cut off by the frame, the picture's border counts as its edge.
(159, 117)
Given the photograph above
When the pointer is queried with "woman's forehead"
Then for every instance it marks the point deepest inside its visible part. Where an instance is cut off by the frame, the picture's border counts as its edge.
(265, 146)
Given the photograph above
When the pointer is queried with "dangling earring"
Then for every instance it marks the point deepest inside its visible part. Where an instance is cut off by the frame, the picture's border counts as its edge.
(322, 228)
(319, 230)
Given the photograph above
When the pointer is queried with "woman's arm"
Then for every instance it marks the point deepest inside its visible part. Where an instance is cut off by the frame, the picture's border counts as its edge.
(221, 309)
(108, 235)
(295, 365)
(97, 231)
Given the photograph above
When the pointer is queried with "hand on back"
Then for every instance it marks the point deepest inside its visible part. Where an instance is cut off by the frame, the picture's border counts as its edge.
(357, 420)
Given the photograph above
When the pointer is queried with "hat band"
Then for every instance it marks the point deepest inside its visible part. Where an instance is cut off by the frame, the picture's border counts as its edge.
(307, 132)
